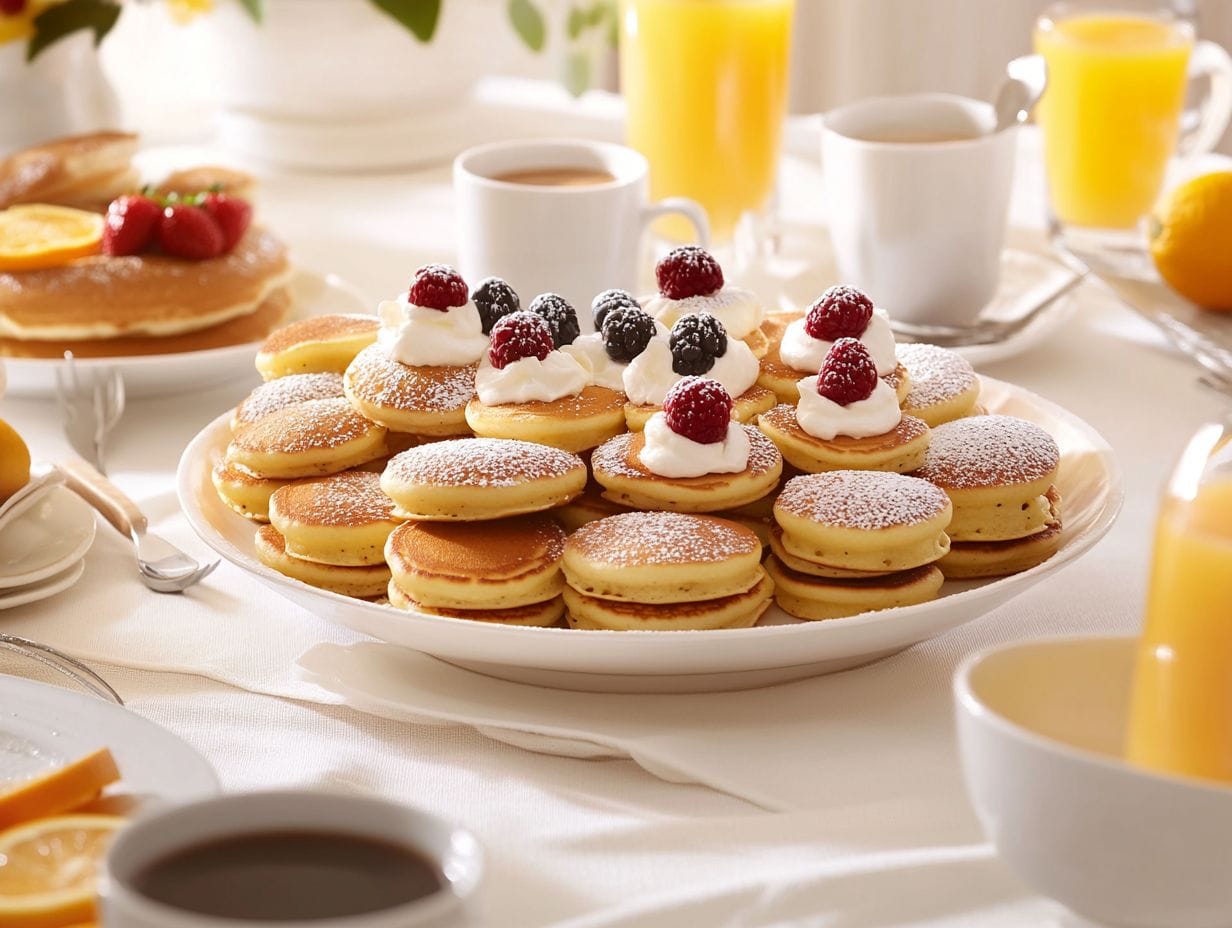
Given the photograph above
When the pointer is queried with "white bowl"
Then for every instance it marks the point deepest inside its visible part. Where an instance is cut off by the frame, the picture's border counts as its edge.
(1040, 728)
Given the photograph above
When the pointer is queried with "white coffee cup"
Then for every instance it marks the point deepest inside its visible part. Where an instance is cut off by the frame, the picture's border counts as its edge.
(454, 851)
(919, 225)
(573, 240)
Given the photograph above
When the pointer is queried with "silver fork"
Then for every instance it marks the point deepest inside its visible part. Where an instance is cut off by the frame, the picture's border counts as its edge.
(89, 408)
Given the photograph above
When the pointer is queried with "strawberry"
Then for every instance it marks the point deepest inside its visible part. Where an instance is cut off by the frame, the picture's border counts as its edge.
(130, 225)
(232, 214)
(190, 232)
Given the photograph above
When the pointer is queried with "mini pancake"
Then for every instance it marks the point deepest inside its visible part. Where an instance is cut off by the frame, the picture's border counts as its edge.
(900, 450)
(475, 479)
(478, 565)
(815, 569)
(870, 521)
(740, 610)
(246, 494)
(758, 343)
(814, 598)
(746, 407)
(662, 557)
(230, 181)
(537, 615)
(316, 344)
(571, 423)
(274, 395)
(418, 400)
(309, 439)
(944, 385)
(590, 506)
(360, 582)
(616, 465)
(39, 174)
(976, 559)
(343, 519)
(757, 516)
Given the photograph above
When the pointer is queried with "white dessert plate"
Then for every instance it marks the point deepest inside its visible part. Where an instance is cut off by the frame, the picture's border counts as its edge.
(168, 374)
(45, 540)
(779, 648)
(15, 596)
(44, 726)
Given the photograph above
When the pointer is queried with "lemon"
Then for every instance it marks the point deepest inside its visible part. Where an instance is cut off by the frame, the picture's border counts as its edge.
(37, 236)
(58, 790)
(1191, 240)
(14, 474)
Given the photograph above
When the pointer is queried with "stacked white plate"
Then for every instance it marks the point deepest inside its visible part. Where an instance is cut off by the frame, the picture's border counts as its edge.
(43, 548)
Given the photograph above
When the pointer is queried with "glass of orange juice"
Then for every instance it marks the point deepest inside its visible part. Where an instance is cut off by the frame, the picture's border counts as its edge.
(1118, 72)
(706, 83)
(1181, 707)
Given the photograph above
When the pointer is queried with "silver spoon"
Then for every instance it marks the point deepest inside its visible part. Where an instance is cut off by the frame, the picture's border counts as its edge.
(1024, 84)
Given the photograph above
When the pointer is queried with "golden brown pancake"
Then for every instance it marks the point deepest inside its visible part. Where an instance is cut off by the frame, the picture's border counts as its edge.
(541, 615)
(230, 181)
(361, 582)
(342, 519)
(573, 423)
(901, 449)
(309, 439)
(316, 344)
(429, 400)
(811, 597)
(740, 610)
(36, 175)
(246, 494)
(274, 395)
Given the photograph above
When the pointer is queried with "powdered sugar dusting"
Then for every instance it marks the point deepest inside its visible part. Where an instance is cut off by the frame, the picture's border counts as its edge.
(937, 375)
(639, 538)
(286, 391)
(352, 498)
(613, 456)
(480, 462)
(982, 451)
(375, 378)
(305, 427)
(861, 499)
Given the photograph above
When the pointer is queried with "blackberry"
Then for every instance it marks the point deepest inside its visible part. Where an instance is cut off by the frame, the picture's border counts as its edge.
(696, 341)
(627, 330)
(494, 298)
(608, 300)
(561, 318)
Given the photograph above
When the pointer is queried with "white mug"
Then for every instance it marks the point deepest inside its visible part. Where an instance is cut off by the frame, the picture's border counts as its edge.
(919, 225)
(455, 853)
(573, 240)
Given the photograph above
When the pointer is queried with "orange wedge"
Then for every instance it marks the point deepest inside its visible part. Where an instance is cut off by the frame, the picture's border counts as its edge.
(49, 870)
(59, 791)
(38, 236)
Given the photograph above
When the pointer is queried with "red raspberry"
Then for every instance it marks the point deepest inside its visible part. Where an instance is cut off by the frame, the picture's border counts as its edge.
(232, 214)
(699, 409)
(438, 286)
(189, 232)
(848, 373)
(688, 271)
(12, 7)
(130, 225)
(519, 335)
(840, 312)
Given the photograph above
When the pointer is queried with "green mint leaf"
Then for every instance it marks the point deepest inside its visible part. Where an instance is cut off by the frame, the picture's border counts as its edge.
(55, 22)
(576, 23)
(255, 9)
(528, 22)
(577, 73)
(418, 16)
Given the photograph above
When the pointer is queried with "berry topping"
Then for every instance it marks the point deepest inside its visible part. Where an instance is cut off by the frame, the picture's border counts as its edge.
(840, 312)
(130, 226)
(12, 7)
(232, 214)
(494, 298)
(626, 331)
(699, 409)
(848, 373)
(560, 316)
(688, 271)
(438, 286)
(189, 232)
(519, 335)
(696, 341)
(608, 300)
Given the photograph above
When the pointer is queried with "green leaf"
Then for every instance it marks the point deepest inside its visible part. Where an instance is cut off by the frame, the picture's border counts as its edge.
(255, 9)
(418, 16)
(598, 11)
(576, 23)
(577, 73)
(529, 23)
(55, 22)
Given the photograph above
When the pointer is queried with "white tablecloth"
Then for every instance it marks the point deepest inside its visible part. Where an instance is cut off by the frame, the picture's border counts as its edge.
(831, 802)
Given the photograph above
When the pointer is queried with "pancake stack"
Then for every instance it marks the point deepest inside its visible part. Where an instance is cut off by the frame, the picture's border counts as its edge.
(661, 571)
(847, 542)
(944, 385)
(82, 171)
(999, 472)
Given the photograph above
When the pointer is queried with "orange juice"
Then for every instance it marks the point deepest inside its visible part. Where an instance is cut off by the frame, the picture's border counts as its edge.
(1181, 712)
(1110, 113)
(706, 87)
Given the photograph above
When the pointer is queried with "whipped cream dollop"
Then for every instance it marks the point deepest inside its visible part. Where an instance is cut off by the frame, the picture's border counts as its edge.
(669, 454)
(421, 336)
(649, 376)
(529, 379)
(738, 309)
(823, 418)
(802, 352)
(589, 351)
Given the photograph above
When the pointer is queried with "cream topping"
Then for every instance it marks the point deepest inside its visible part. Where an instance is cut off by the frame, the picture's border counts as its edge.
(823, 418)
(738, 309)
(529, 379)
(649, 376)
(670, 454)
(421, 336)
(589, 351)
(802, 352)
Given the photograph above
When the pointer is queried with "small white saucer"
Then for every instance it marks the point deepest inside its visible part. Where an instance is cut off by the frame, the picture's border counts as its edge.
(34, 592)
(46, 540)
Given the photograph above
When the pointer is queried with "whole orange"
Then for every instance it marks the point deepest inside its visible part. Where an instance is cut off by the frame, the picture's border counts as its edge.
(1191, 240)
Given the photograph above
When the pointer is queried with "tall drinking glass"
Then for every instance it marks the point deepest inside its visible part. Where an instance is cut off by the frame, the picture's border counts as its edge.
(1118, 72)
(706, 84)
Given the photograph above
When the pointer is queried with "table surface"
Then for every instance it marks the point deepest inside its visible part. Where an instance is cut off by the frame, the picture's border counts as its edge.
(888, 839)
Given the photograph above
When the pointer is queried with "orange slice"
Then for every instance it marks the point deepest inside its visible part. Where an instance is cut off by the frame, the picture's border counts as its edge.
(49, 869)
(39, 236)
(60, 790)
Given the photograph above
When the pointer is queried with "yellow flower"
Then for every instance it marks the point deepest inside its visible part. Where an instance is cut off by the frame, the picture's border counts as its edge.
(183, 11)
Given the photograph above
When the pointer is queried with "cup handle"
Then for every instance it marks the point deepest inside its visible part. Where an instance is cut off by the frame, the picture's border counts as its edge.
(689, 209)
(1211, 61)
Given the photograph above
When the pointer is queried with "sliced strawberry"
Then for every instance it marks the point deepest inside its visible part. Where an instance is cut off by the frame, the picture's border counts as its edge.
(190, 232)
(232, 214)
(130, 225)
